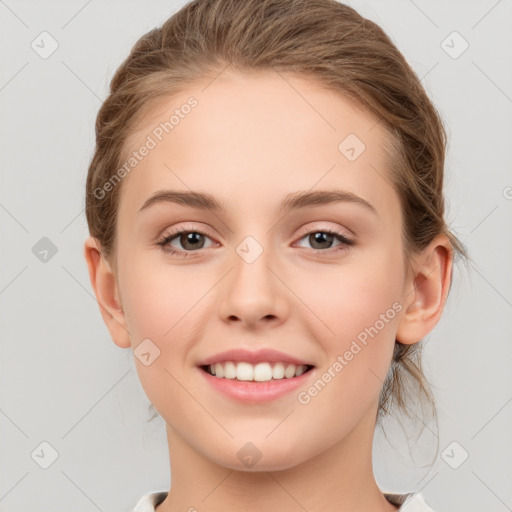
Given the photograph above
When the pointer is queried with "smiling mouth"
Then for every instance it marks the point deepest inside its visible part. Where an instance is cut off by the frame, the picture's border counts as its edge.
(261, 372)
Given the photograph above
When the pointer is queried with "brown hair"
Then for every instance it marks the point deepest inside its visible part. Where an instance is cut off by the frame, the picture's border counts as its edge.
(326, 41)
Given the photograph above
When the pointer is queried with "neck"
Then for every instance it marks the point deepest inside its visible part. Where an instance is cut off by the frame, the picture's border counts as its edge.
(340, 479)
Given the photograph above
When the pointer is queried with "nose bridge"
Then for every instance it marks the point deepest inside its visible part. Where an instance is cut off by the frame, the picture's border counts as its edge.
(252, 292)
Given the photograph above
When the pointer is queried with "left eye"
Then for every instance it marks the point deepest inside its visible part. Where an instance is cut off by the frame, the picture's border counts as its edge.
(323, 238)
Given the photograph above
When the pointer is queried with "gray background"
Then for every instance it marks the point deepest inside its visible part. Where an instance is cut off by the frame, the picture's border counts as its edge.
(64, 382)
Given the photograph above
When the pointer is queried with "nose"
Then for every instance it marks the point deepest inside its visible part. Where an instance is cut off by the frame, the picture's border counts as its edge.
(252, 294)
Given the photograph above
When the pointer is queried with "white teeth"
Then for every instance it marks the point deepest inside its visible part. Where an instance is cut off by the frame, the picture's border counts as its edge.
(278, 371)
(244, 371)
(260, 372)
(289, 371)
(300, 370)
(219, 370)
(230, 370)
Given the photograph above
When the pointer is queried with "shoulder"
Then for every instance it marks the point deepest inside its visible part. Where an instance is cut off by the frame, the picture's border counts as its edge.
(410, 502)
(148, 502)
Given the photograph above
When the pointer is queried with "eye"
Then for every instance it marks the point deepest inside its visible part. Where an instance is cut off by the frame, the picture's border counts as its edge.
(322, 239)
(190, 240)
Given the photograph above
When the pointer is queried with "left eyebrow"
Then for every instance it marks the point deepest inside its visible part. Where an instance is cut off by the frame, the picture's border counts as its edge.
(321, 197)
(297, 200)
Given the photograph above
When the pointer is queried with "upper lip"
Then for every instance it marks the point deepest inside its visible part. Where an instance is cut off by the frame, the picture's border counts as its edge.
(253, 357)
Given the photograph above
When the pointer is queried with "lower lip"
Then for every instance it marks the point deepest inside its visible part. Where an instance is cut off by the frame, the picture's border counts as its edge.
(253, 391)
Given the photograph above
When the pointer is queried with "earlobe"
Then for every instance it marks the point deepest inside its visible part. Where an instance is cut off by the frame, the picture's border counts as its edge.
(107, 294)
(426, 291)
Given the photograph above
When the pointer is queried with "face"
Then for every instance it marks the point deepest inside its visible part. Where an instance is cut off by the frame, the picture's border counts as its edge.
(322, 282)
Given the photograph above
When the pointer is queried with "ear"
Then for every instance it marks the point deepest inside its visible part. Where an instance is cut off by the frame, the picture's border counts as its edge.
(106, 290)
(426, 291)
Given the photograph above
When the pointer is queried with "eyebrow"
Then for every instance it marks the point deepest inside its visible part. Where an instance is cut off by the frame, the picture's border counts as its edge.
(294, 201)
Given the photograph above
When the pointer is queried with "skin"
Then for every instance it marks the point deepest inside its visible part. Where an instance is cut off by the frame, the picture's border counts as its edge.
(251, 140)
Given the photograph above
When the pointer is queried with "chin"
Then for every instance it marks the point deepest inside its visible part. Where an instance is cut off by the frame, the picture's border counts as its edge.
(250, 458)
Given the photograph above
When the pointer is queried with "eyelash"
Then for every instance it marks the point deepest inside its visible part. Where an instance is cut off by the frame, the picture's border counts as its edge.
(163, 243)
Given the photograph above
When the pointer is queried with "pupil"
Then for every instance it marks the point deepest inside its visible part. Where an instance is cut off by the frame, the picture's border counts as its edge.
(190, 238)
(322, 237)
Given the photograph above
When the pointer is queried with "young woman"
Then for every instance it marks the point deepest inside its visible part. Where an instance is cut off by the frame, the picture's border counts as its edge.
(266, 212)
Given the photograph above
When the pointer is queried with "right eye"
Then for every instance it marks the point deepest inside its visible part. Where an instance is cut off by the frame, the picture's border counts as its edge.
(191, 240)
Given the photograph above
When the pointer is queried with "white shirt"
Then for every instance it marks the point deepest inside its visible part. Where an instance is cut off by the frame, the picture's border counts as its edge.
(410, 502)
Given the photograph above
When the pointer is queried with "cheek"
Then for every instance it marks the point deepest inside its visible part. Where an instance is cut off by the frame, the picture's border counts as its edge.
(340, 302)
(357, 310)
(161, 304)
(157, 299)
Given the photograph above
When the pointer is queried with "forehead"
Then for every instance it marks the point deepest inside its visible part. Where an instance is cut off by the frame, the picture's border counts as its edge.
(252, 138)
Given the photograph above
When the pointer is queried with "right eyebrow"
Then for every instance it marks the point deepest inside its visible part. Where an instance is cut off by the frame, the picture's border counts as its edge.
(199, 200)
